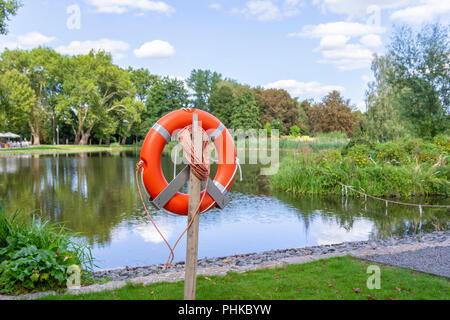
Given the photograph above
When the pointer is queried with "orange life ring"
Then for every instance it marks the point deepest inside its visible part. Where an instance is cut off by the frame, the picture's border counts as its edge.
(160, 134)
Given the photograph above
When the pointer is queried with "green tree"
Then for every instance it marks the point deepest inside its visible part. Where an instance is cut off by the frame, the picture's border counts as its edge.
(221, 103)
(303, 120)
(383, 117)
(203, 83)
(245, 113)
(94, 90)
(41, 67)
(143, 82)
(420, 63)
(7, 8)
(17, 101)
(166, 95)
(130, 118)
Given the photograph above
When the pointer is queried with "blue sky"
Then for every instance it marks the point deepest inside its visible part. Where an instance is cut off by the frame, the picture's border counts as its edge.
(307, 47)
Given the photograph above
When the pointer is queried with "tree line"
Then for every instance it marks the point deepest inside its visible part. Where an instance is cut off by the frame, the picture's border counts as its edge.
(86, 99)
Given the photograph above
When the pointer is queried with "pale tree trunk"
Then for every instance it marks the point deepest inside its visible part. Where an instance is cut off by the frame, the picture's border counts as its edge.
(85, 136)
(35, 134)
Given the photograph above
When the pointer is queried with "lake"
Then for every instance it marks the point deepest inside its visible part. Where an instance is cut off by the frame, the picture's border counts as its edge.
(95, 194)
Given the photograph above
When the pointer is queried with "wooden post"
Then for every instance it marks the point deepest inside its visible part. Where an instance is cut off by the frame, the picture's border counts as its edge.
(192, 233)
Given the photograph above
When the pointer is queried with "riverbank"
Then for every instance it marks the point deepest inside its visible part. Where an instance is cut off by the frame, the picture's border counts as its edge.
(119, 278)
(50, 149)
(298, 255)
(404, 168)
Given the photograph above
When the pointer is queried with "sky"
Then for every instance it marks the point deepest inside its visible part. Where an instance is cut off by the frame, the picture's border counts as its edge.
(308, 47)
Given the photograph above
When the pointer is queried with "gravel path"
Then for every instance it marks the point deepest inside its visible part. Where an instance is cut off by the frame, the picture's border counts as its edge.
(430, 260)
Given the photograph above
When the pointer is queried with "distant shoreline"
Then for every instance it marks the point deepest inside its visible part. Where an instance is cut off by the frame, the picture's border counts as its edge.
(50, 149)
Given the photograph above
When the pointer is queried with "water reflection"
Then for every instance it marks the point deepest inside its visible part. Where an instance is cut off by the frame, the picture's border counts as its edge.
(96, 195)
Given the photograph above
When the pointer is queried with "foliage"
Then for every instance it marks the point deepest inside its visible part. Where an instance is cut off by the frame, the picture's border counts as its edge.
(203, 83)
(245, 111)
(96, 91)
(332, 115)
(359, 155)
(277, 105)
(303, 120)
(8, 8)
(268, 129)
(221, 103)
(383, 116)
(295, 131)
(420, 76)
(36, 255)
(442, 141)
(341, 278)
(38, 70)
(277, 125)
(400, 168)
(18, 100)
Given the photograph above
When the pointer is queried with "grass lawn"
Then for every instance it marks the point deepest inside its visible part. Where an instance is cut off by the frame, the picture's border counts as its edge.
(66, 149)
(336, 278)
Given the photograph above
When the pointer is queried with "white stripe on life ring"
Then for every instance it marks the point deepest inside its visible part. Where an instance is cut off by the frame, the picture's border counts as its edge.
(162, 131)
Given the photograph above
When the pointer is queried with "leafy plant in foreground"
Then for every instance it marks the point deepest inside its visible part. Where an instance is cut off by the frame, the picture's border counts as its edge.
(35, 256)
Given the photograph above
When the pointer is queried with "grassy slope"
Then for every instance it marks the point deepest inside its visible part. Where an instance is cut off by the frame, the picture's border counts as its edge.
(337, 278)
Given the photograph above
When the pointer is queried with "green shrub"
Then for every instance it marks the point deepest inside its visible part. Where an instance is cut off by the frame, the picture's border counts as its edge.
(268, 129)
(442, 141)
(392, 153)
(36, 256)
(333, 157)
(358, 141)
(295, 131)
(277, 125)
(115, 145)
(359, 155)
(422, 151)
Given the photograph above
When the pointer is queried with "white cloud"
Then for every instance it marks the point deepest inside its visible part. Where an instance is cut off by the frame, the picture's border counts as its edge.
(27, 41)
(34, 39)
(269, 10)
(348, 57)
(336, 48)
(115, 47)
(333, 41)
(371, 41)
(426, 11)
(304, 90)
(155, 49)
(123, 6)
(358, 8)
(328, 232)
(215, 6)
(351, 29)
(149, 234)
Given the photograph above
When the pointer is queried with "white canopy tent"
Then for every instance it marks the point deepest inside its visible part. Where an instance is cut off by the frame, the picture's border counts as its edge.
(9, 135)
